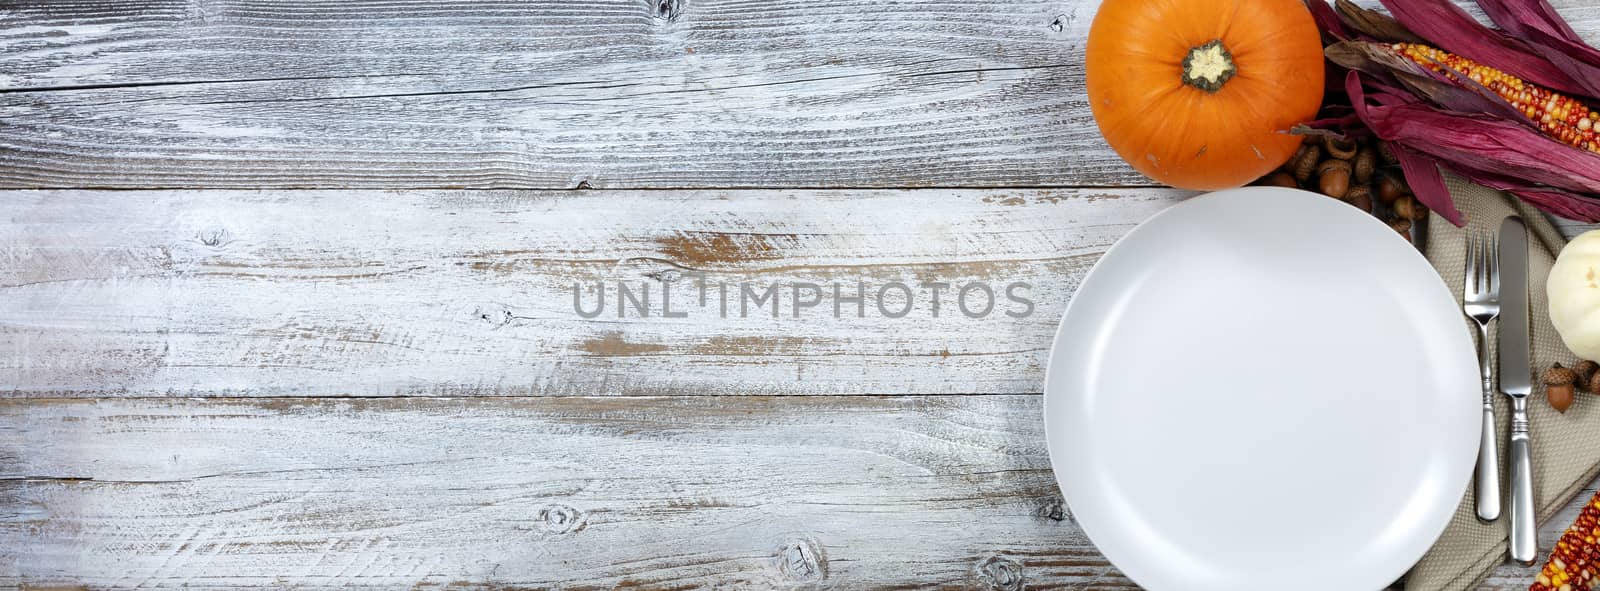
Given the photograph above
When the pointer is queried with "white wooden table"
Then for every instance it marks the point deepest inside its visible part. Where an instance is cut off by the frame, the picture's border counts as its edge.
(286, 292)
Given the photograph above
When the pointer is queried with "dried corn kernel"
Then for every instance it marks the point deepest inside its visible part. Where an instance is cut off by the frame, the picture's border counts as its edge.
(1561, 117)
(1574, 563)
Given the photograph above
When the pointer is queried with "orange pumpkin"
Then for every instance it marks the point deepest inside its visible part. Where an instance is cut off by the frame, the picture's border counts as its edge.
(1199, 94)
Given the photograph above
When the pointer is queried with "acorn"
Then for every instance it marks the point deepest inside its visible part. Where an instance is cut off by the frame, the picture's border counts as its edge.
(1408, 208)
(1402, 226)
(1280, 178)
(1339, 149)
(1558, 389)
(1360, 196)
(1364, 165)
(1386, 154)
(1304, 163)
(1559, 396)
(1559, 376)
(1585, 370)
(1333, 178)
(1391, 187)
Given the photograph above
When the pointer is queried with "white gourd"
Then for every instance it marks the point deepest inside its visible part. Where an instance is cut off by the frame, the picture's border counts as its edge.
(1574, 292)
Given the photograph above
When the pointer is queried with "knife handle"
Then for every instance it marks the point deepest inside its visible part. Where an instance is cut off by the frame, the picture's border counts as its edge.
(1524, 540)
(1488, 491)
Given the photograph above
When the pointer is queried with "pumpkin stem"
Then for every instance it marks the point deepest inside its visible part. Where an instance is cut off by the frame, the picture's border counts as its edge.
(1208, 66)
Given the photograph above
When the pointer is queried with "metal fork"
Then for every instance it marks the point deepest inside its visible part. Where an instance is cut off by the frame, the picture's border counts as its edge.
(1481, 303)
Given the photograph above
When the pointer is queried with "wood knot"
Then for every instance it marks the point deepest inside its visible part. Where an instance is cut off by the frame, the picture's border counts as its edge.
(204, 12)
(665, 276)
(1054, 509)
(215, 237)
(1063, 22)
(667, 10)
(494, 316)
(801, 560)
(558, 519)
(1000, 573)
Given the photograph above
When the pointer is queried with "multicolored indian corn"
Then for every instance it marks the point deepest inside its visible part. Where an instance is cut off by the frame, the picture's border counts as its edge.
(1512, 106)
(1575, 561)
(1561, 117)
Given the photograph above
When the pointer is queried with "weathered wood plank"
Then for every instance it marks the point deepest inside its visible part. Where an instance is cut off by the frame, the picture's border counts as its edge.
(608, 93)
(603, 93)
(245, 293)
(599, 93)
(572, 493)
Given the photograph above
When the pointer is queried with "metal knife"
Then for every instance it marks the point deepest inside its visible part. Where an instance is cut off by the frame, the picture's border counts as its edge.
(1516, 381)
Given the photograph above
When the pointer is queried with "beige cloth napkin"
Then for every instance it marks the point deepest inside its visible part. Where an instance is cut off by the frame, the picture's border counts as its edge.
(1566, 447)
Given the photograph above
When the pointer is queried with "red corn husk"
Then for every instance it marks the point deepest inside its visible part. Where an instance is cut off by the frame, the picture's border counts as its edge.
(1423, 177)
(1539, 24)
(1372, 25)
(1327, 22)
(1450, 28)
(1556, 201)
(1455, 93)
(1493, 149)
(1520, 16)
(1485, 143)
(1446, 118)
(1427, 184)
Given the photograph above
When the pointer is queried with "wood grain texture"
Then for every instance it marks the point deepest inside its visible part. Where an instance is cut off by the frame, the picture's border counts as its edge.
(602, 93)
(539, 493)
(242, 293)
(570, 493)
(598, 93)
(440, 293)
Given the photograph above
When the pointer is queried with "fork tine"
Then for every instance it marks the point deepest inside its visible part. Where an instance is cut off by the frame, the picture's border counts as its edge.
(1494, 267)
(1478, 262)
(1485, 262)
(1469, 276)
(1485, 259)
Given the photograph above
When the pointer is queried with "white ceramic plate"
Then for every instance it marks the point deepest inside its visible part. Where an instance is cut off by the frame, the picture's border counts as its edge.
(1263, 388)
